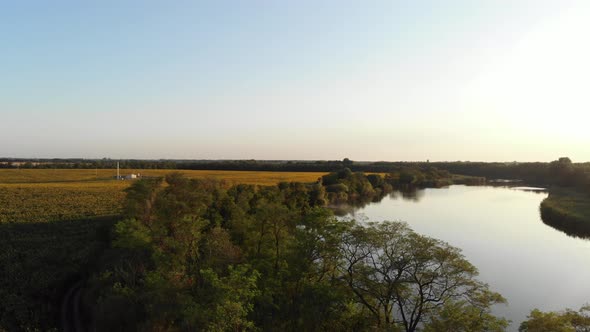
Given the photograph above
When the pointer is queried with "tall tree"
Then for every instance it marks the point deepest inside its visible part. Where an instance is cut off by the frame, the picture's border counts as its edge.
(404, 279)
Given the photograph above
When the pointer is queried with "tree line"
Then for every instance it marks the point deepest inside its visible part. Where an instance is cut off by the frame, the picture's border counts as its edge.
(70, 248)
(560, 172)
(199, 255)
(193, 254)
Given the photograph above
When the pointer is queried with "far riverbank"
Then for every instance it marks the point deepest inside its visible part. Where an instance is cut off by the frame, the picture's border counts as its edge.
(567, 210)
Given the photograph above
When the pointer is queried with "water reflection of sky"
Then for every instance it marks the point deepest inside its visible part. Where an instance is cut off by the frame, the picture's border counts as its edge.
(500, 232)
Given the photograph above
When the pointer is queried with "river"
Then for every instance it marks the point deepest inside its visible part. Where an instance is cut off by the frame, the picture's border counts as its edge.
(500, 231)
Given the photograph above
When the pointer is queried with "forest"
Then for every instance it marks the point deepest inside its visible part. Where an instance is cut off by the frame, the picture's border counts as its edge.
(195, 255)
(192, 254)
(203, 254)
(562, 172)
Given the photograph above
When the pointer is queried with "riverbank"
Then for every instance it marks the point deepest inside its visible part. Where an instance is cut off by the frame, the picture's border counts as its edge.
(567, 210)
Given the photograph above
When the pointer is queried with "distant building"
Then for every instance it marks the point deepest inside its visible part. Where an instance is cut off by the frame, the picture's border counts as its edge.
(129, 176)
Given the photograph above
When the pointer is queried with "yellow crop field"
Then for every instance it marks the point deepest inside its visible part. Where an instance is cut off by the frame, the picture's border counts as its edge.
(41, 195)
(77, 175)
(40, 202)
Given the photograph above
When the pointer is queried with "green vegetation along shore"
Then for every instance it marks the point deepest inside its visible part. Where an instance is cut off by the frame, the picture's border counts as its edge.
(50, 239)
(568, 210)
(200, 253)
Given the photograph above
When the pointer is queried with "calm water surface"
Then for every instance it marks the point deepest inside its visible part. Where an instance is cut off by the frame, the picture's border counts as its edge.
(500, 231)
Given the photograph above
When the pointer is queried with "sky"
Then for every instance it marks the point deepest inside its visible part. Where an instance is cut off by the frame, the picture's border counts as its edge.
(502, 80)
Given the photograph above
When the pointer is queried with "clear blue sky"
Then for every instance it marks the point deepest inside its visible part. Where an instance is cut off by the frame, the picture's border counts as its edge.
(368, 80)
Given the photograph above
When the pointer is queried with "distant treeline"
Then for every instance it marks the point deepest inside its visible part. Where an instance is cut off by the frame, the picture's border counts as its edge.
(86, 163)
(560, 172)
(559, 213)
(230, 165)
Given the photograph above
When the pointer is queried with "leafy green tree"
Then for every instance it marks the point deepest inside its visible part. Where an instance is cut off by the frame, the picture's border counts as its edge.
(196, 255)
(566, 321)
(140, 200)
(296, 196)
(317, 195)
(344, 173)
(218, 252)
(411, 177)
(404, 278)
(376, 180)
(464, 316)
(347, 162)
(230, 299)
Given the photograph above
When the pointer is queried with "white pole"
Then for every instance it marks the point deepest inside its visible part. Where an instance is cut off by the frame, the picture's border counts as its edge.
(118, 176)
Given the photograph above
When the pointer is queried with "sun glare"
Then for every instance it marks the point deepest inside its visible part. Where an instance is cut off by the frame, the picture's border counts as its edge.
(543, 80)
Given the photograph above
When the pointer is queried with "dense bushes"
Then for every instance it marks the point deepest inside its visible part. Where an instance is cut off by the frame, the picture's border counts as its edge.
(357, 188)
(567, 210)
(568, 206)
(561, 172)
(197, 255)
(564, 321)
(193, 254)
